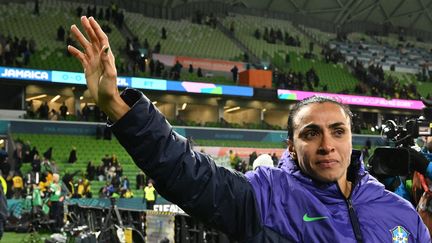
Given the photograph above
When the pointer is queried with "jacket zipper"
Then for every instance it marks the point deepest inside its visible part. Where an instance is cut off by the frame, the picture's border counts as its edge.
(352, 214)
(354, 220)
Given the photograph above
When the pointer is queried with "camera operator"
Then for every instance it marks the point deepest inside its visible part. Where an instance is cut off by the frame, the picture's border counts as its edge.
(427, 152)
(407, 171)
(422, 195)
(418, 162)
(56, 200)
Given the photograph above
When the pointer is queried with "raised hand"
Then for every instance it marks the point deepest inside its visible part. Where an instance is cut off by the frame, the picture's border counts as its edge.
(99, 67)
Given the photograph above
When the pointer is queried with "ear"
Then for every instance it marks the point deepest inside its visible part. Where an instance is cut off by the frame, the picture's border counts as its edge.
(291, 149)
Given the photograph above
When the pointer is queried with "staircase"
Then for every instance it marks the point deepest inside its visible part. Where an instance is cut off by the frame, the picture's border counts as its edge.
(127, 33)
(315, 39)
(253, 59)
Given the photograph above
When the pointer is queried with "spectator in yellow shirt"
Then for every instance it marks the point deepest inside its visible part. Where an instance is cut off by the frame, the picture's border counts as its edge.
(17, 185)
(150, 195)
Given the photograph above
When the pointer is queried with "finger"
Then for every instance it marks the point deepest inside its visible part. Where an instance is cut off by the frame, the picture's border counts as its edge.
(78, 55)
(108, 63)
(103, 38)
(92, 85)
(90, 32)
(80, 38)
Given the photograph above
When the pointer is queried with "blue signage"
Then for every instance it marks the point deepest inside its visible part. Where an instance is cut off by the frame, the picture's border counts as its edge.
(124, 82)
(130, 82)
(68, 77)
(235, 90)
(25, 74)
(149, 83)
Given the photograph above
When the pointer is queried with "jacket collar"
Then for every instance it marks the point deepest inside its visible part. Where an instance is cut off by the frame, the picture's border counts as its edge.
(356, 172)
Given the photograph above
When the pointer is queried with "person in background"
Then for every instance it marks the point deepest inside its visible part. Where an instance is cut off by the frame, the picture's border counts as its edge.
(48, 153)
(72, 155)
(85, 112)
(90, 171)
(150, 195)
(140, 181)
(234, 72)
(18, 185)
(262, 160)
(56, 199)
(63, 111)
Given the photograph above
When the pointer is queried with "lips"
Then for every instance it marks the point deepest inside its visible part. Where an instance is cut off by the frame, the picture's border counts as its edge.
(327, 163)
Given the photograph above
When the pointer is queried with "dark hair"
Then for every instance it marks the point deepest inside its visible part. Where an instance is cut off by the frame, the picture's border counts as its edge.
(312, 100)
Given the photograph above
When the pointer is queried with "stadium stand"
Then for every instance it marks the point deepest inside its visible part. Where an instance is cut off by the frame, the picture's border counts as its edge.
(88, 149)
(317, 35)
(360, 37)
(336, 77)
(91, 149)
(395, 40)
(406, 60)
(17, 20)
(183, 38)
(245, 27)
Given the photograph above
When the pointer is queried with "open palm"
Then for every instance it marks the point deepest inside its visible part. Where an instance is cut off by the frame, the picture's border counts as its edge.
(97, 60)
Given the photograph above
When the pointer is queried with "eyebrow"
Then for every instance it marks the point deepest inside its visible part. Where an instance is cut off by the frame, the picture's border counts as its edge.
(337, 124)
(316, 127)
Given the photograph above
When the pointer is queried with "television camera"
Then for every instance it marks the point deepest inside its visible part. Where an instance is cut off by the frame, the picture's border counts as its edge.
(395, 161)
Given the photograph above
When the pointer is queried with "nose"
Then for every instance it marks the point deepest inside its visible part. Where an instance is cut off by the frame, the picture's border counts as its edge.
(326, 145)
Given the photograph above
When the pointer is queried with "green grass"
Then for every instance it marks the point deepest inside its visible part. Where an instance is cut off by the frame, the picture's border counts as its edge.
(24, 237)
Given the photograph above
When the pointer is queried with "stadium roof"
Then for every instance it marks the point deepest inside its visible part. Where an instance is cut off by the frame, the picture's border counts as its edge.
(398, 13)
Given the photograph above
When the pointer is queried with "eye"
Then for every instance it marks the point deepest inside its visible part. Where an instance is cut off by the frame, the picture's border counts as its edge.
(339, 132)
(311, 134)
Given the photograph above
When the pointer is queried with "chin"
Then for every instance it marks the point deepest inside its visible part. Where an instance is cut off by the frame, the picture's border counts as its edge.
(328, 178)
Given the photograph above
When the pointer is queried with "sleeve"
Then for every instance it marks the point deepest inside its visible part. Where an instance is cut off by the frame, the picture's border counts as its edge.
(423, 232)
(219, 197)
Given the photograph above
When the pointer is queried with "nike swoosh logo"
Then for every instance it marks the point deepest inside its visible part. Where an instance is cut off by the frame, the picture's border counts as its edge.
(306, 218)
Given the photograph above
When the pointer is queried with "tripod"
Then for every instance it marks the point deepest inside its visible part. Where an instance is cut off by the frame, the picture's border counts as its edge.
(38, 215)
(109, 232)
(32, 227)
(110, 212)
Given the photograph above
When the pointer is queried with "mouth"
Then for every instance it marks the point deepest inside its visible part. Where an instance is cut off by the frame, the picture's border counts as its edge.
(327, 163)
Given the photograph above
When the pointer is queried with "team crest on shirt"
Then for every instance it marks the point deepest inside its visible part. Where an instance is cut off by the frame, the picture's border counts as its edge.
(399, 234)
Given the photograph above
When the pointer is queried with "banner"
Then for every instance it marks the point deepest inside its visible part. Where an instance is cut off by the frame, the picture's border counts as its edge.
(353, 99)
(25, 74)
(126, 82)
